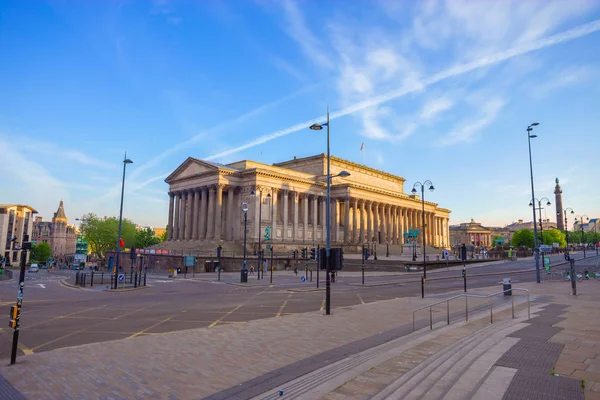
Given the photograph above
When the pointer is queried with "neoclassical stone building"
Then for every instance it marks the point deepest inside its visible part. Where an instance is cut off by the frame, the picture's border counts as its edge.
(367, 206)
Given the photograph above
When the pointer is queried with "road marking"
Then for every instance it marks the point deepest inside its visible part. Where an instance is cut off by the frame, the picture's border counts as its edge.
(26, 350)
(148, 328)
(41, 285)
(65, 316)
(283, 305)
(322, 305)
(226, 314)
(360, 298)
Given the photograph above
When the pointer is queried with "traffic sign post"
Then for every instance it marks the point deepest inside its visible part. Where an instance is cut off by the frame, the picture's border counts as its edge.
(15, 313)
(121, 279)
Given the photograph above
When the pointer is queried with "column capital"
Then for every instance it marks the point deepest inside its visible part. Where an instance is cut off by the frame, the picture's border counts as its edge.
(212, 188)
(285, 192)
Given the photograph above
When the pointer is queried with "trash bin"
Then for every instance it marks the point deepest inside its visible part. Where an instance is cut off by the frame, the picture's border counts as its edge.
(178, 270)
(507, 287)
(244, 275)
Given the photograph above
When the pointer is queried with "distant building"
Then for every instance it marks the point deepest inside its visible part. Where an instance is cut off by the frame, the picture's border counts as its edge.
(60, 236)
(472, 233)
(587, 226)
(16, 221)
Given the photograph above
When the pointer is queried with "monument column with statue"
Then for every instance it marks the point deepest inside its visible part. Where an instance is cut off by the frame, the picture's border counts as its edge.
(560, 217)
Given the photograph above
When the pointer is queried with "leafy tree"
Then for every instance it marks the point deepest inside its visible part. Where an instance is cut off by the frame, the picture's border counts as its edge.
(145, 238)
(523, 238)
(102, 234)
(40, 252)
(555, 236)
(165, 234)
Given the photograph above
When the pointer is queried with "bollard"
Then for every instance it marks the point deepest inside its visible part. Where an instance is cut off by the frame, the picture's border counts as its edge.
(83, 281)
(464, 272)
(77, 278)
(135, 281)
(311, 275)
(573, 281)
(102, 278)
(422, 287)
(219, 273)
(130, 277)
(144, 279)
(92, 279)
(139, 278)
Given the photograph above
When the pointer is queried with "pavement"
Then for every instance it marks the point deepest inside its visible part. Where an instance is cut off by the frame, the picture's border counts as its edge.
(258, 355)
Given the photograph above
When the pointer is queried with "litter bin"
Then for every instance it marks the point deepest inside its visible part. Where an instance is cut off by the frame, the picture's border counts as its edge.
(507, 287)
(178, 270)
(244, 275)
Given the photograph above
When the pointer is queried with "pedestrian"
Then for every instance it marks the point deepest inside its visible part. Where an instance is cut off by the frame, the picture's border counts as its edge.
(252, 270)
(296, 271)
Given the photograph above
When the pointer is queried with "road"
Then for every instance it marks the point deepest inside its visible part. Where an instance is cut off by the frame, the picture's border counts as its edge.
(54, 315)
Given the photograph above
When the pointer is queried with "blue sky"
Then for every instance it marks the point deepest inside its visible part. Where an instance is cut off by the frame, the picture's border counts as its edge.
(439, 90)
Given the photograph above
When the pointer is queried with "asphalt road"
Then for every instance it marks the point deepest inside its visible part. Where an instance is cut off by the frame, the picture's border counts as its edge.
(54, 315)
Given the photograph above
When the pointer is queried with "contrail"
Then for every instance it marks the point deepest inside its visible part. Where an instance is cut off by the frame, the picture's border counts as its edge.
(460, 69)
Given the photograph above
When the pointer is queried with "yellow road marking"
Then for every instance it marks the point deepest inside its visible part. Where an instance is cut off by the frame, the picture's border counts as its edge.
(226, 314)
(322, 305)
(283, 305)
(26, 350)
(360, 298)
(148, 328)
(65, 316)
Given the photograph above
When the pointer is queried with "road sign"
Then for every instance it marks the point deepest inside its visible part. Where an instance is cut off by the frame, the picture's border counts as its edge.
(303, 278)
(121, 277)
(446, 253)
(545, 248)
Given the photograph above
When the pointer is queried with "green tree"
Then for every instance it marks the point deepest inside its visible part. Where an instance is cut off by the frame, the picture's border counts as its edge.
(523, 238)
(145, 238)
(165, 234)
(40, 252)
(102, 234)
(555, 236)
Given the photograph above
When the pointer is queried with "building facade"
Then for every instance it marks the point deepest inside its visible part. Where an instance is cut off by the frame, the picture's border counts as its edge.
(289, 199)
(472, 233)
(60, 236)
(16, 221)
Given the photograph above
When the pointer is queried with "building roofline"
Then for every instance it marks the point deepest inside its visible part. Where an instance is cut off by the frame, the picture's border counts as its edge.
(33, 210)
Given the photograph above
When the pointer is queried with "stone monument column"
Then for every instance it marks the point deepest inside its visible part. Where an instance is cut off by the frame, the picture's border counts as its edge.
(376, 222)
(355, 222)
(171, 210)
(218, 210)
(183, 218)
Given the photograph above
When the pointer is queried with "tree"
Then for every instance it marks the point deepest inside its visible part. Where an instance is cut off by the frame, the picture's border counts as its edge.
(555, 236)
(40, 252)
(145, 238)
(165, 234)
(102, 234)
(523, 238)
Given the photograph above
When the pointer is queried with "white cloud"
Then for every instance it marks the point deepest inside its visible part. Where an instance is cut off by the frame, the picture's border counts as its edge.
(288, 68)
(565, 78)
(434, 107)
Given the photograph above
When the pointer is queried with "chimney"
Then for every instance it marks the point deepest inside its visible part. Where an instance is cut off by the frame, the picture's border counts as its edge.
(520, 221)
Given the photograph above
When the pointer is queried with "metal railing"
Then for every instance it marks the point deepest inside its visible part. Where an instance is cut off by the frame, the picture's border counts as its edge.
(466, 296)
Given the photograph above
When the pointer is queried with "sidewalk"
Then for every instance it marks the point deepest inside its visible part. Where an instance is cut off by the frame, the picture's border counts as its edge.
(263, 356)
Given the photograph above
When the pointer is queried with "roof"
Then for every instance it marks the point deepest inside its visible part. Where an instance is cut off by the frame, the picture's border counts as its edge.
(33, 210)
(60, 213)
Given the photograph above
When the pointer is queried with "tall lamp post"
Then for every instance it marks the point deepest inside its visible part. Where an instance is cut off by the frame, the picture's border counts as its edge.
(414, 191)
(245, 211)
(540, 209)
(253, 194)
(566, 228)
(595, 233)
(115, 273)
(535, 241)
(318, 127)
(581, 217)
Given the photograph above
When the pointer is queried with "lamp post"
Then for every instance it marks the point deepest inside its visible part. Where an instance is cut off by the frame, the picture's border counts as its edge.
(414, 191)
(535, 242)
(566, 227)
(595, 238)
(581, 217)
(245, 211)
(253, 194)
(115, 273)
(318, 127)
(540, 209)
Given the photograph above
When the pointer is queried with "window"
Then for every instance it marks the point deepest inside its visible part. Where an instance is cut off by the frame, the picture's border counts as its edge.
(9, 231)
(26, 226)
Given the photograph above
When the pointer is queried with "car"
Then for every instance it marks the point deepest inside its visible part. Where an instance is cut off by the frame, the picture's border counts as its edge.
(34, 268)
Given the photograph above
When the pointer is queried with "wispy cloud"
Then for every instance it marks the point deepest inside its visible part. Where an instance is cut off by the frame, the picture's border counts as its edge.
(434, 107)
(288, 68)
(565, 78)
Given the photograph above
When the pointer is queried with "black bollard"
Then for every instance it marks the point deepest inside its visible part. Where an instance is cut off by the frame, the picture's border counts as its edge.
(92, 279)
(464, 273)
(144, 279)
(102, 278)
(422, 287)
(311, 275)
(573, 281)
(131, 277)
(135, 280)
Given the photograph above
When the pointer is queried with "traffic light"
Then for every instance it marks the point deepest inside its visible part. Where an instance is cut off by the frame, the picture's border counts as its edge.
(336, 259)
(313, 253)
(14, 311)
(132, 253)
(219, 248)
(304, 253)
(295, 254)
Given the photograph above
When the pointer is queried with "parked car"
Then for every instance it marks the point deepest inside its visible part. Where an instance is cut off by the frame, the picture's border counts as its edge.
(34, 268)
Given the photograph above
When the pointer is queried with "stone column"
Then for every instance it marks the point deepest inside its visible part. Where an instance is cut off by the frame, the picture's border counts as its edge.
(376, 222)
(274, 213)
(218, 211)
(394, 224)
(177, 213)
(388, 227)
(194, 215)
(305, 217)
(286, 213)
(295, 198)
(230, 214)
(256, 214)
(369, 206)
(323, 201)
(183, 218)
(203, 211)
(347, 221)
(362, 217)
(171, 210)
(383, 222)
(315, 200)
(210, 213)
(355, 222)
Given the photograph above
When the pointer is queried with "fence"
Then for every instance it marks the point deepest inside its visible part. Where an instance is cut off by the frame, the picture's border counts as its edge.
(132, 279)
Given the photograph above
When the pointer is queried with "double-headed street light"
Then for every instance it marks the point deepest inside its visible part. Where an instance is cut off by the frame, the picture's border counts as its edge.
(414, 191)
(253, 194)
(535, 242)
(540, 209)
(115, 273)
(318, 127)
(566, 227)
(581, 217)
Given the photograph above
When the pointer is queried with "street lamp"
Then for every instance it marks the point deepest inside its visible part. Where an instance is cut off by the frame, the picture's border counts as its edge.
(414, 191)
(581, 217)
(253, 194)
(566, 227)
(318, 127)
(595, 238)
(115, 273)
(244, 271)
(540, 208)
(535, 242)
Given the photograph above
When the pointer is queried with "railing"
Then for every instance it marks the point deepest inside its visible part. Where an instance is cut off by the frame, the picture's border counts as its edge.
(466, 296)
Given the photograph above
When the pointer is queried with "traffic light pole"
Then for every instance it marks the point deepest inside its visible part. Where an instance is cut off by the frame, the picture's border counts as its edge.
(17, 323)
(363, 264)
(318, 264)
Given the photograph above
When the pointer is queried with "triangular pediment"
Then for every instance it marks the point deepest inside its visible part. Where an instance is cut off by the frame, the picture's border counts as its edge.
(191, 167)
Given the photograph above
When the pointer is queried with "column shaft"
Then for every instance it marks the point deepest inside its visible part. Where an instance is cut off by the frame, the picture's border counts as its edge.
(295, 226)
(177, 214)
(305, 217)
(210, 214)
(369, 221)
(286, 214)
(203, 211)
(315, 200)
(171, 210)
(347, 221)
(230, 214)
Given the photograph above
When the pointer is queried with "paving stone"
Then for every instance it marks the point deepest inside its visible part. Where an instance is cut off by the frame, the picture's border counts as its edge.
(8, 391)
